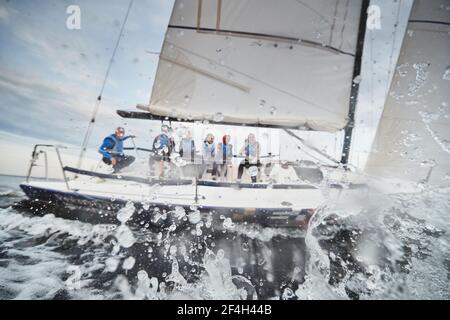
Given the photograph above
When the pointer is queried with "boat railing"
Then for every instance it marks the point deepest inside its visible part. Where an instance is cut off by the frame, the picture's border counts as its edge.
(139, 149)
(37, 150)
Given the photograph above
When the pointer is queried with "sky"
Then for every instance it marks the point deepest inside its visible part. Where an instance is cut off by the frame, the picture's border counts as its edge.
(50, 76)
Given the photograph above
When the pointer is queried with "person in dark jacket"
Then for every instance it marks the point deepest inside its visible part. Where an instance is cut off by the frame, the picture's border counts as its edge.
(112, 150)
(251, 151)
(163, 145)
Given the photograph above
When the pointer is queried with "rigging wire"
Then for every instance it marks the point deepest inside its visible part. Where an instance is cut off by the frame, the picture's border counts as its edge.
(372, 76)
(99, 99)
(323, 154)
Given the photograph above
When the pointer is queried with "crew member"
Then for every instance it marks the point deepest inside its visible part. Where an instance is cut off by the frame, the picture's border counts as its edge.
(251, 151)
(112, 150)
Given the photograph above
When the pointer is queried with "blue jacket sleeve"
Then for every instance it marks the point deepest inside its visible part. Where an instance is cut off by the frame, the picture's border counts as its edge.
(107, 144)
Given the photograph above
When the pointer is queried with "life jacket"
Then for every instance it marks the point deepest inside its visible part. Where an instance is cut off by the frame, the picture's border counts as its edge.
(209, 151)
(251, 149)
(117, 149)
(187, 145)
(225, 152)
(163, 142)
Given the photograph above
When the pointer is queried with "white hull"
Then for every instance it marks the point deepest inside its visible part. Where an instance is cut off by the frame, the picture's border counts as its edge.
(185, 195)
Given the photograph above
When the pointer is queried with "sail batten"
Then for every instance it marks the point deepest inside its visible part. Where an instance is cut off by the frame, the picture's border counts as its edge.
(297, 41)
(259, 62)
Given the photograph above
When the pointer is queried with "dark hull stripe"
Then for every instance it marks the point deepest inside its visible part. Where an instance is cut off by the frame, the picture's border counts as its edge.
(49, 194)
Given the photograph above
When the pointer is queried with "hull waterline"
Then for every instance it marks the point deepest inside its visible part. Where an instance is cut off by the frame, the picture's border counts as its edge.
(90, 208)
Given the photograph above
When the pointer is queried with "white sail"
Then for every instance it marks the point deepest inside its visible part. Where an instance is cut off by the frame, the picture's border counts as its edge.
(282, 63)
(413, 137)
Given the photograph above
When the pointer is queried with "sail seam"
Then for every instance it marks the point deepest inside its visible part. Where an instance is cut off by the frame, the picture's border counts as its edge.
(266, 36)
(199, 14)
(314, 11)
(219, 13)
(430, 22)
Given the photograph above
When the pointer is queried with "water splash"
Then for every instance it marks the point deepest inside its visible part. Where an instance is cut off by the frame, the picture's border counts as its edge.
(380, 247)
(218, 117)
(421, 77)
(446, 75)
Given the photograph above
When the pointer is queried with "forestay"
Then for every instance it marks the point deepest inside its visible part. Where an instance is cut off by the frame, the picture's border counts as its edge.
(281, 63)
(413, 138)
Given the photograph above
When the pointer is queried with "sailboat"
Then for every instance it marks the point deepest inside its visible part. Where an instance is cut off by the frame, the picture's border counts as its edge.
(258, 63)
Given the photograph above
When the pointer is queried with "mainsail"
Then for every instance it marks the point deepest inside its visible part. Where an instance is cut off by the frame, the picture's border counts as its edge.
(259, 62)
(413, 137)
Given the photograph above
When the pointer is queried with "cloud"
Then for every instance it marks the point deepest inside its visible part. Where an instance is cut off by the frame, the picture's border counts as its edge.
(50, 76)
(46, 93)
(19, 150)
(38, 107)
(4, 15)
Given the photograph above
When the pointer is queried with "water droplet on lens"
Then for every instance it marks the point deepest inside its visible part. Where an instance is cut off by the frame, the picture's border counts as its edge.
(218, 117)
(273, 110)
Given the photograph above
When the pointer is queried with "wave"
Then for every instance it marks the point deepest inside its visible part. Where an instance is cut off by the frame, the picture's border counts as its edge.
(380, 247)
(370, 245)
(11, 193)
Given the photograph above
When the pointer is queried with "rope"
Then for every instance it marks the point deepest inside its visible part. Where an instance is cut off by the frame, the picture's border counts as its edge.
(99, 99)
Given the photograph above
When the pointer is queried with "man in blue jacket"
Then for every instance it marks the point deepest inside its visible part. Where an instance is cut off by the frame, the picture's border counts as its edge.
(112, 150)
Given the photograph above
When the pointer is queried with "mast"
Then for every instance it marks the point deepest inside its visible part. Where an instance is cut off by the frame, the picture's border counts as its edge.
(355, 86)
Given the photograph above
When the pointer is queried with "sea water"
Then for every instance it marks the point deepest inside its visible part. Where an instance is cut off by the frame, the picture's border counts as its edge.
(359, 247)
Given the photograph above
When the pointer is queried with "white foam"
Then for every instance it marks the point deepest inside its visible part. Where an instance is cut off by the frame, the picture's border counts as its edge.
(38, 272)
